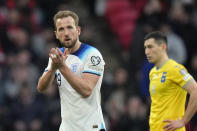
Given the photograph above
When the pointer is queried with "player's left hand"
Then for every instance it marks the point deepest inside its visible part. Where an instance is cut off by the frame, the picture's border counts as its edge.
(173, 124)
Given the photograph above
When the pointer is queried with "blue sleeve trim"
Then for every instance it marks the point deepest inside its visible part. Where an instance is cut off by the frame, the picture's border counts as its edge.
(102, 127)
(95, 73)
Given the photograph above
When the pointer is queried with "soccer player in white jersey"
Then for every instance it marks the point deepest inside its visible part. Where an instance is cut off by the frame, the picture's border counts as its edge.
(78, 69)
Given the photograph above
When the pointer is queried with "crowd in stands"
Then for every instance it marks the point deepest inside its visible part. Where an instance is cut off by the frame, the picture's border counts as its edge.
(117, 28)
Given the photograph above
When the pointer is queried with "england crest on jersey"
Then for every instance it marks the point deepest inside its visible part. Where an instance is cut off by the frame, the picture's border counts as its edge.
(74, 67)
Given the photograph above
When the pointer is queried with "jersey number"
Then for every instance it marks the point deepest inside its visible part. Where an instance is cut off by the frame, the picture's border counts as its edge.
(59, 79)
(163, 78)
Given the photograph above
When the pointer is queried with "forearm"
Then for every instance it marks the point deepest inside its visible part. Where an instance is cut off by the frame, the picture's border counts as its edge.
(191, 108)
(81, 85)
(46, 80)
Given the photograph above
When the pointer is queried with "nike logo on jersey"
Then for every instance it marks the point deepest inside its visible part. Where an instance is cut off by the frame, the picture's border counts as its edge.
(154, 77)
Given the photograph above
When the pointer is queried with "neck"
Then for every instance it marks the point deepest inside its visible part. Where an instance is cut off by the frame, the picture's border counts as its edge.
(162, 60)
(75, 48)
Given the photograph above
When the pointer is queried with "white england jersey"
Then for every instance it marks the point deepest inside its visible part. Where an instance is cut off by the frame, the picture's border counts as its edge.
(78, 113)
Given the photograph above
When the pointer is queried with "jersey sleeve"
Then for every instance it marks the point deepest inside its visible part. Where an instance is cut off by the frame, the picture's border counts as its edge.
(181, 76)
(94, 63)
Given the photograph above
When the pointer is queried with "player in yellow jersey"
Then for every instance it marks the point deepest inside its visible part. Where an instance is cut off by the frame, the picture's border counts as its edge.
(169, 84)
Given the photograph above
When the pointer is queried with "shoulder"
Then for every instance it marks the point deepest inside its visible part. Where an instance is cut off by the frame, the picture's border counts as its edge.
(176, 69)
(85, 51)
(179, 74)
(175, 66)
(90, 49)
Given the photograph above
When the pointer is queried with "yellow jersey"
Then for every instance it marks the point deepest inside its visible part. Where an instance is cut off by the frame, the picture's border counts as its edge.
(167, 93)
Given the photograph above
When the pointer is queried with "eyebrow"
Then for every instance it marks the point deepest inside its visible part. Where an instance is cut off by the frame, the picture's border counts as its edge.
(60, 28)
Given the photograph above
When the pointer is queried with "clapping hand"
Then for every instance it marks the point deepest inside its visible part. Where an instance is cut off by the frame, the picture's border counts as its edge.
(58, 58)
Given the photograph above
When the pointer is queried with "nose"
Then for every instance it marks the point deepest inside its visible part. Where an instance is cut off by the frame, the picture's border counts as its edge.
(147, 51)
(66, 32)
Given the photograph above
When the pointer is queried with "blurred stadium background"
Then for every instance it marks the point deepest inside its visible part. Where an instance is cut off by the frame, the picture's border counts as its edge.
(117, 29)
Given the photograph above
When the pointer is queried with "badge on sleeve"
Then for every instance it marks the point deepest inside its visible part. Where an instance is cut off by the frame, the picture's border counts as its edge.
(183, 72)
(95, 60)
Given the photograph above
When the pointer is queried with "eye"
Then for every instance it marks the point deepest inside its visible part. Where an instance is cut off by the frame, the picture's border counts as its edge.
(149, 46)
(61, 29)
(70, 27)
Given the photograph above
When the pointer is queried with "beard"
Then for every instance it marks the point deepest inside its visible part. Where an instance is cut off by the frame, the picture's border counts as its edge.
(67, 45)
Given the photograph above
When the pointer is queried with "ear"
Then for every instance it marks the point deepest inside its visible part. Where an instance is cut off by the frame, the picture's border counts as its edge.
(56, 34)
(164, 46)
(79, 30)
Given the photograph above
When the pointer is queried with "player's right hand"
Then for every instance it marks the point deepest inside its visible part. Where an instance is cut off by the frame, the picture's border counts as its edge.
(53, 56)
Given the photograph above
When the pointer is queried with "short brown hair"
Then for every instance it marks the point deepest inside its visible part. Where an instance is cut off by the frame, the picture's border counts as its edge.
(66, 13)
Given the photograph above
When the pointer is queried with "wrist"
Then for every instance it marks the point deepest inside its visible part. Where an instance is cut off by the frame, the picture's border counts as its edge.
(184, 121)
(62, 67)
(52, 70)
